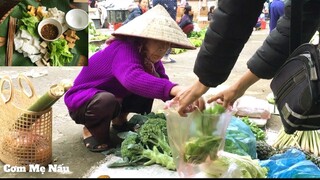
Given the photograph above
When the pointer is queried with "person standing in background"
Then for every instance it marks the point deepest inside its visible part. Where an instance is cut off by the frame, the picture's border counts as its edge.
(92, 3)
(276, 11)
(143, 6)
(171, 7)
(210, 13)
(186, 22)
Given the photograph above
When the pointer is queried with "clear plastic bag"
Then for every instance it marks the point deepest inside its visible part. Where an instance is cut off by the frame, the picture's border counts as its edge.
(195, 139)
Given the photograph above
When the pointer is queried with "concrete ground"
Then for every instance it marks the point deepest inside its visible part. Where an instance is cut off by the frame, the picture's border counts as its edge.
(68, 149)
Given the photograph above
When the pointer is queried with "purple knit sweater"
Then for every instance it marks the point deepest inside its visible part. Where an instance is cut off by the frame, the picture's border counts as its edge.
(117, 69)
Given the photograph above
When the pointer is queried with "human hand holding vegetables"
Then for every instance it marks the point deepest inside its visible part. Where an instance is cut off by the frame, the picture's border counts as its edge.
(191, 96)
(228, 96)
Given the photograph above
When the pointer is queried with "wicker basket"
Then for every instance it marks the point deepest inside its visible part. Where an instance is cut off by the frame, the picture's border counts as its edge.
(25, 136)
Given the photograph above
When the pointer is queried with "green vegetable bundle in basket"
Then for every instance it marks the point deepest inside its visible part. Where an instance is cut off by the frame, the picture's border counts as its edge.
(198, 138)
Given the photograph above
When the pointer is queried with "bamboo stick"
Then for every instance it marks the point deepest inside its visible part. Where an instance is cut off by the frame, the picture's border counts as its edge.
(10, 37)
(48, 99)
(44, 102)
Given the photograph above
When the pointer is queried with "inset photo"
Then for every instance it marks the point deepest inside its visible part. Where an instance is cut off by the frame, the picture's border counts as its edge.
(44, 33)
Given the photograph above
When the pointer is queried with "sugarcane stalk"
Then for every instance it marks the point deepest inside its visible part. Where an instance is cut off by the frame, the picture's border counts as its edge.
(280, 138)
(310, 140)
(303, 142)
(295, 139)
(317, 142)
(299, 136)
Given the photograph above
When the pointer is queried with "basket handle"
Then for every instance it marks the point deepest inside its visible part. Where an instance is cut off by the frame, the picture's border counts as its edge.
(21, 78)
(6, 79)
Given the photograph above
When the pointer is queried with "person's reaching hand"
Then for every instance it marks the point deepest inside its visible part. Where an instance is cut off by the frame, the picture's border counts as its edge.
(191, 96)
(228, 96)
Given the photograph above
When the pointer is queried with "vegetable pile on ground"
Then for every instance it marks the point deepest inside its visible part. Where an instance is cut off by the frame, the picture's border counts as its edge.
(305, 141)
(256, 130)
(95, 35)
(149, 145)
(234, 166)
(196, 38)
(96, 38)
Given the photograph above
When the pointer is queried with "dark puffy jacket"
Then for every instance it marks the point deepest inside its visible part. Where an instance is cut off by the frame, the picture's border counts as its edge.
(232, 25)
(169, 5)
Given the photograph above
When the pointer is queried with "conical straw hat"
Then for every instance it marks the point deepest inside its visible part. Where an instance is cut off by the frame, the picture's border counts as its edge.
(156, 24)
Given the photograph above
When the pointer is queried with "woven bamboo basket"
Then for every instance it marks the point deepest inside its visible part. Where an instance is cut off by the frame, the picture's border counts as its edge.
(25, 136)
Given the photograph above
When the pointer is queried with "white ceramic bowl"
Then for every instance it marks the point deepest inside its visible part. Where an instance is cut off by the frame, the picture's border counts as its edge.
(50, 29)
(77, 19)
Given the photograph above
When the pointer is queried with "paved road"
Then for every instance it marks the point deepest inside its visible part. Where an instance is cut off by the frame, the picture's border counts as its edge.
(68, 150)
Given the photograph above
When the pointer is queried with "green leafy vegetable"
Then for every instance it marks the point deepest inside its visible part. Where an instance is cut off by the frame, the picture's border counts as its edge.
(197, 149)
(205, 142)
(59, 52)
(243, 167)
(29, 23)
(258, 132)
(154, 133)
(149, 145)
(217, 109)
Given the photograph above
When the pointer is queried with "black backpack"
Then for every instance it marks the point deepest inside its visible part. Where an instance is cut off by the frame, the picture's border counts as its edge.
(296, 88)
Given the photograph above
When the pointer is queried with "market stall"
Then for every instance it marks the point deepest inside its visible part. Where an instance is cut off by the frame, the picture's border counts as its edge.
(108, 13)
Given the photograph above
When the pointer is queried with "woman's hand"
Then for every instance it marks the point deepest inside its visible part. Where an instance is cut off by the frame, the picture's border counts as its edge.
(228, 96)
(190, 98)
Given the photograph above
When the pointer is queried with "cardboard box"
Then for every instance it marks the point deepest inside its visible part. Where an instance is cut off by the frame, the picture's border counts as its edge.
(204, 11)
(203, 24)
(180, 11)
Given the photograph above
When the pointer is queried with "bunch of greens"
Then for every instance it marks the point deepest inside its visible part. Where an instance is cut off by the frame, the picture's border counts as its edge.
(29, 23)
(258, 132)
(197, 149)
(197, 37)
(177, 50)
(205, 142)
(59, 52)
(149, 145)
(241, 167)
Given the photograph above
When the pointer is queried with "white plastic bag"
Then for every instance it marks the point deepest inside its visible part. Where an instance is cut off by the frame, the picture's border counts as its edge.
(252, 107)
